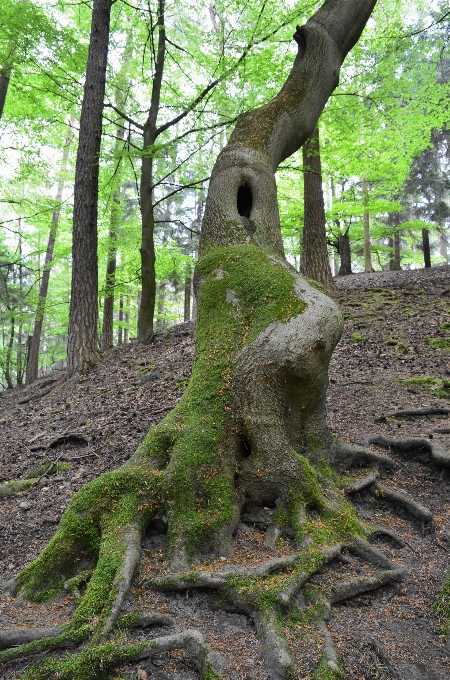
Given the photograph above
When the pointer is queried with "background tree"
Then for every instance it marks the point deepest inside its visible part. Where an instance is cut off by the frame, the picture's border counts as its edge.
(264, 339)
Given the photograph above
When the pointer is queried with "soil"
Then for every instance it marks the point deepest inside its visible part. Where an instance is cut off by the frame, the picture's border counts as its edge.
(392, 319)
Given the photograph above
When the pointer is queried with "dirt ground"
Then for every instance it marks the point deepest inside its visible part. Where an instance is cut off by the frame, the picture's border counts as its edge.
(397, 328)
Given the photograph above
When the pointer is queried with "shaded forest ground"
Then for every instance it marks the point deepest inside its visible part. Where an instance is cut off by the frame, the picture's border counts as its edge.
(397, 330)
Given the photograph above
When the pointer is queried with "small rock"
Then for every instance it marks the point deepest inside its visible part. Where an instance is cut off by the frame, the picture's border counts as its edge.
(25, 505)
(66, 485)
(223, 558)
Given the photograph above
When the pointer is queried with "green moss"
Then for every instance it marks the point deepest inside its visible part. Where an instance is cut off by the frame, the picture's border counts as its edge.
(437, 387)
(441, 606)
(91, 664)
(324, 672)
(357, 337)
(244, 290)
(439, 343)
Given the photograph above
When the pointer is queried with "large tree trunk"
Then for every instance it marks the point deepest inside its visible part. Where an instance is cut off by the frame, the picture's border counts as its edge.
(33, 351)
(315, 264)
(82, 345)
(249, 433)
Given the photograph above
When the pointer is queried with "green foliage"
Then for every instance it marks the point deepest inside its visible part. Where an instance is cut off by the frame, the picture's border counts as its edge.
(357, 337)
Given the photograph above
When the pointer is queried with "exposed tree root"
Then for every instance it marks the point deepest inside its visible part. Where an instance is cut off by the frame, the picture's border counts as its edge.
(348, 589)
(96, 662)
(349, 455)
(23, 636)
(278, 658)
(362, 483)
(438, 453)
(405, 502)
(330, 658)
(385, 659)
(418, 413)
(381, 531)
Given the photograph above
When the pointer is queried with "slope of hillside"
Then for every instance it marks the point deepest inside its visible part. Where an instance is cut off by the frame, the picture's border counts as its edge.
(393, 356)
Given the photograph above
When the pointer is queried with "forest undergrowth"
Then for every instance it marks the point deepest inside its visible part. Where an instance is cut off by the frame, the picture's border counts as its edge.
(389, 377)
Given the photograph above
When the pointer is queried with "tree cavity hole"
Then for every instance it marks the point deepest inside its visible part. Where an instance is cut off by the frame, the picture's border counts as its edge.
(244, 448)
(244, 199)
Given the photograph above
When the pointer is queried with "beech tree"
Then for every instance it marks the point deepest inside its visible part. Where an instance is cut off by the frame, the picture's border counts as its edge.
(249, 436)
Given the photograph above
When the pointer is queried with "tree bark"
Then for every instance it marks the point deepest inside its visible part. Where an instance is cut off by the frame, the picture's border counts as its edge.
(366, 224)
(33, 351)
(187, 299)
(426, 247)
(345, 255)
(315, 252)
(250, 429)
(394, 242)
(5, 74)
(82, 346)
(120, 331)
(8, 376)
(147, 306)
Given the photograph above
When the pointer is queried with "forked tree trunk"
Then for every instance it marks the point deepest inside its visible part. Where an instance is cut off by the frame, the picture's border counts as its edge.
(33, 351)
(315, 264)
(82, 345)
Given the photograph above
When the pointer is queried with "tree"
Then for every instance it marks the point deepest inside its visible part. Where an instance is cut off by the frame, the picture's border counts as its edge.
(82, 346)
(249, 432)
(315, 262)
(33, 349)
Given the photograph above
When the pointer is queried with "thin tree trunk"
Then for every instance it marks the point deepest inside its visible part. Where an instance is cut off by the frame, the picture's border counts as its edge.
(82, 345)
(366, 224)
(443, 245)
(8, 377)
(5, 74)
(33, 351)
(126, 319)
(120, 332)
(19, 360)
(345, 255)
(426, 247)
(315, 252)
(107, 339)
(187, 298)
(148, 274)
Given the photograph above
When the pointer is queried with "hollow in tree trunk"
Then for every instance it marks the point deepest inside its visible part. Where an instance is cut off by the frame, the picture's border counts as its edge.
(249, 432)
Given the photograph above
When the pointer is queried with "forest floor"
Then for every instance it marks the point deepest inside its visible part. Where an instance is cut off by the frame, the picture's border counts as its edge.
(397, 329)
